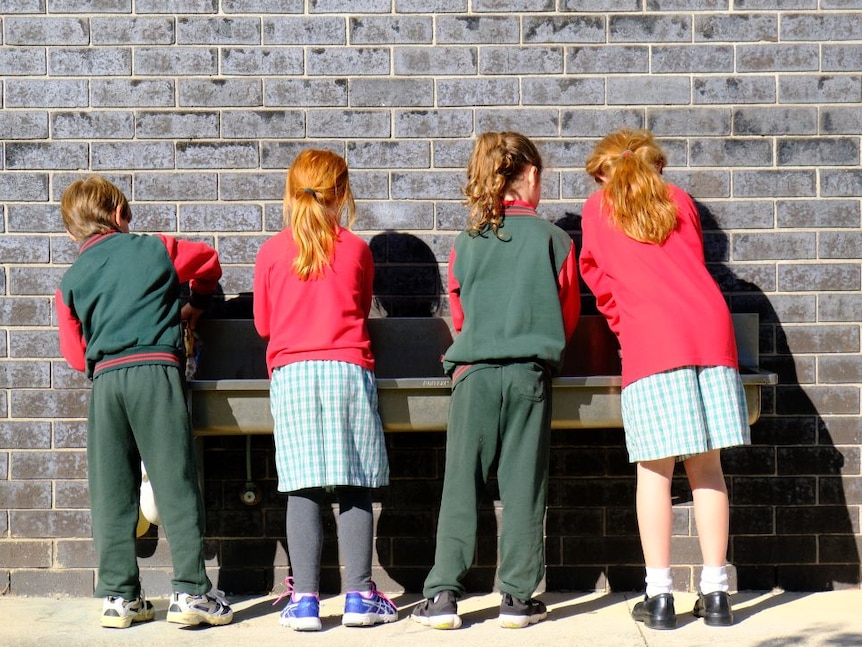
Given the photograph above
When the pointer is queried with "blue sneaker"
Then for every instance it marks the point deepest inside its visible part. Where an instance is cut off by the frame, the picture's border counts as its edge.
(364, 610)
(302, 614)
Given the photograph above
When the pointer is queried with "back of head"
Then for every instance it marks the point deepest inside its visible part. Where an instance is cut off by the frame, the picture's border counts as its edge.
(498, 159)
(89, 207)
(317, 194)
(628, 165)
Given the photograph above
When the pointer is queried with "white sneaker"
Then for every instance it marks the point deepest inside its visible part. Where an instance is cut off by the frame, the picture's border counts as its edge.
(209, 608)
(118, 613)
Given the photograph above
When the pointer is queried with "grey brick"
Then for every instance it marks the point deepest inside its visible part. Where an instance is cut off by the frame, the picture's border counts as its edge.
(533, 122)
(440, 60)
(599, 122)
(70, 435)
(308, 93)
(834, 307)
(703, 59)
(818, 213)
(820, 89)
(46, 93)
(731, 152)
(35, 281)
(403, 93)
(25, 495)
(649, 90)
(649, 29)
(24, 187)
(386, 214)
(841, 4)
(777, 57)
(389, 154)
(24, 61)
(451, 153)
(237, 280)
(218, 217)
(25, 312)
(686, 5)
(765, 5)
(563, 29)
(520, 60)
(563, 153)
(177, 125)
(160, 61)
(430, 6)
(821, 27)
(61, 181)
(132, 93)
(253, 186)
(175, 186)
(607, 60)
(841, 58)
(23, 6)
(840, 183)
(92, 124)
(46, 156)
(65, 377)
(822, 277)
(840, 244)
(23, 435)
(426, 185)
(263, 124)
(132, 31)
(736, 28)
(356, 6)
(176, 7)
(774, 183)
(220, 92)
(782, 246)
(734, 89)
(89, 6)
(593, 6)
(22, 375)
(348, 123)
(218, 31)
(48, 582)
(46, 31)
(477, 92)
(133, 155)
(434, 123)
(46, 523)
(263, 6)
(702, 184)
(348, 61)
(23, 124)
(843, 369)
(239, 249)
(71, 494)
(217, 155)
(819, 152)
(259, 61)
(26, 554)
(565, 91)
(46, 403)
(774, 121)
(512, 6)
(477, 29)
(689, 121)
(390, 30)
(306, 30)
(35, 218)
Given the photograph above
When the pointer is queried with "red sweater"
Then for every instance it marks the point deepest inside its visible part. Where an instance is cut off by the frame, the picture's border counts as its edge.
(318, 319)
(665, 308)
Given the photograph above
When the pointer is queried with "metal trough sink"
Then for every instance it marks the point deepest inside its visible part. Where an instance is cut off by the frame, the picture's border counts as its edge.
(230, 392)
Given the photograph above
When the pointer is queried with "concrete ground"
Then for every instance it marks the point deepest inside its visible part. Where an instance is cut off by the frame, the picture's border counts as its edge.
(763, 619)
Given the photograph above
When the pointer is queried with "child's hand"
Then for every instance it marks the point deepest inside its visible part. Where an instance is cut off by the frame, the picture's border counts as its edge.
(190, 315)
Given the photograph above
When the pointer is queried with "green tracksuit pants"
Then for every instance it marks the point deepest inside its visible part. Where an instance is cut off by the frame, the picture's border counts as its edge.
(495, 410)
(140, 413)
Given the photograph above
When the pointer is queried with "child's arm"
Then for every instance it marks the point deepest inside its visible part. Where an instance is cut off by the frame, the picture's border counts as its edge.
(454, 290)
(599, 285)
(73, 346)
(196, 264)
(570, 293)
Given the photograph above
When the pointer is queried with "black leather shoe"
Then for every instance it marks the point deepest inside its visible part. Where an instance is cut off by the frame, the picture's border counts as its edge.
(656, 612)
(714, 608)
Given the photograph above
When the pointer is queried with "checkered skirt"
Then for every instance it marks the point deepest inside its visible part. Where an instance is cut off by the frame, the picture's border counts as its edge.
(683, 412)
(327, 429)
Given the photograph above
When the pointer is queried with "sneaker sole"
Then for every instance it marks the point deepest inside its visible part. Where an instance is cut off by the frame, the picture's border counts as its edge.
(124, 622)
(366, 619)
(439, 622)
(197, 618)
(519, 622)
(301, 624)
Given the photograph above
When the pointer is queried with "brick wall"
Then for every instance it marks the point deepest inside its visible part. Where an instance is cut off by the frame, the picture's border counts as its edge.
(196, 115)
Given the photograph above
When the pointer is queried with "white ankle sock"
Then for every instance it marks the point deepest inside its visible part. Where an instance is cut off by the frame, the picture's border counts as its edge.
(658, 580)
(713, 578)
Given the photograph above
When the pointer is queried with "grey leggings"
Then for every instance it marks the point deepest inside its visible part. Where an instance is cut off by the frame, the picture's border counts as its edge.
(305, 536)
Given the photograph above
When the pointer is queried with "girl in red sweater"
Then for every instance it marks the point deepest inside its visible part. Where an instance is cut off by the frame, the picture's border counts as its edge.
(682, 399)
(312, 295)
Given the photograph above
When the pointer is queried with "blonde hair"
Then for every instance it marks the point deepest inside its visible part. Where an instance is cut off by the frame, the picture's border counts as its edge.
(316, 195)
(628, 163)
(498, 159)
(89, 206)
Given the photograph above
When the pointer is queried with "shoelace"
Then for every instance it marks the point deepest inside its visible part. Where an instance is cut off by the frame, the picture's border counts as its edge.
(219, 596)
(382, 595)
(288, 585)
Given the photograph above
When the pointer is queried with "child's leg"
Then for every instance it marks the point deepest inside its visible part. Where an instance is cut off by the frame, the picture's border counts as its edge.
(305, 538)
(355, 536)
(711, 511)
(655, 521)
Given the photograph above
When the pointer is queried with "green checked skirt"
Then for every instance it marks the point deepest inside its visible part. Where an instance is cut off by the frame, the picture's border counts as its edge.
(327, 430)
(683, 412)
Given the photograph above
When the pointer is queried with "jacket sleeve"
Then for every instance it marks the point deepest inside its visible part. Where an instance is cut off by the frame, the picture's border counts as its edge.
(570, 293)
(196, 264)
(598, 282)
(260, 303)
(454, 290)
(73, 346)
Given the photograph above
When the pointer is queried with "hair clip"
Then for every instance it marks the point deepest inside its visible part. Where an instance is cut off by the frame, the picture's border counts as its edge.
(626, 153)
(310, 191)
